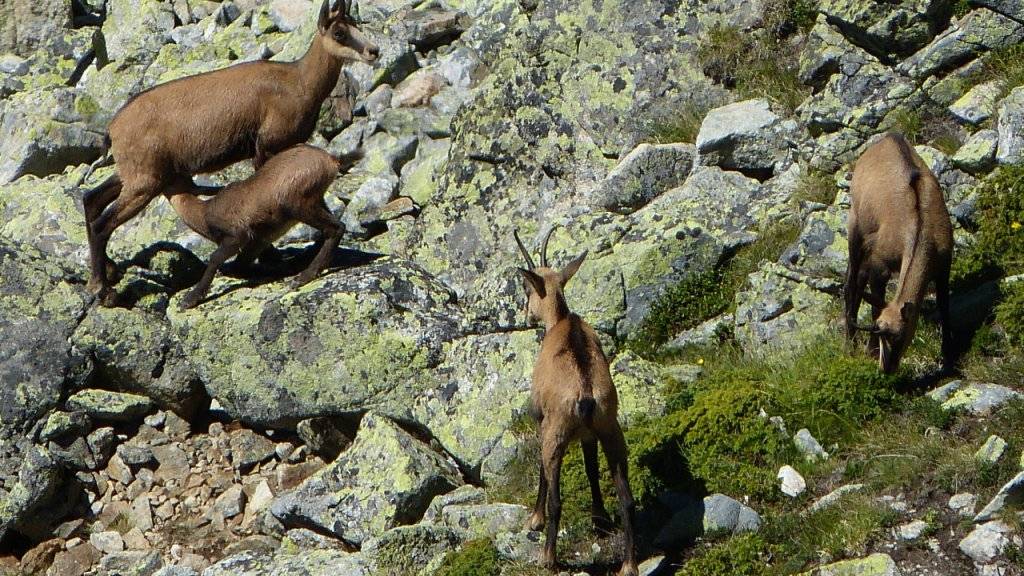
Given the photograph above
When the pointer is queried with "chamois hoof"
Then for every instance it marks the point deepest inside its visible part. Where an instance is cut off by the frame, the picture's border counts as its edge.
(534, 523)
(300, 281)
(630, 570)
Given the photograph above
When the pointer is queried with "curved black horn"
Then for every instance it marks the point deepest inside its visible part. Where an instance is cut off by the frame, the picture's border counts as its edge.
(544, 247)
(524, 251)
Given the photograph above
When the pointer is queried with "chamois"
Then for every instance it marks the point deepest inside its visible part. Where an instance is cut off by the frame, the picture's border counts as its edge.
(246, 217)
(898, 222)
(199, 124)
(572, 398)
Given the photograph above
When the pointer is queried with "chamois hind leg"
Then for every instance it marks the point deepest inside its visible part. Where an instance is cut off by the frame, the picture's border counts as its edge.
(597, 512)
(130, 201)
(536, 520)
(614, 444)
(553, 444)
(319, 217)
(942, 300)
(94, 201)
(227, 248)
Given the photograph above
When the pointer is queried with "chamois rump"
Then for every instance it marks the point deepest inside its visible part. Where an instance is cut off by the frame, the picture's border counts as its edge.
(246, 217)
(898, 222)
(572, 398)
(199, 124)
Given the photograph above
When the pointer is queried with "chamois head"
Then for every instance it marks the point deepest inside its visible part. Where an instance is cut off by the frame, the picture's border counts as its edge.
(894, 328)
(340, 35)
(544, 286)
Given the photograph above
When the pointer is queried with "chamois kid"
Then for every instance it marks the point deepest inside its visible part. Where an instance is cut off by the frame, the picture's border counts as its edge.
(572, 398)
(898, 222)
(199, 124)
(246, 217)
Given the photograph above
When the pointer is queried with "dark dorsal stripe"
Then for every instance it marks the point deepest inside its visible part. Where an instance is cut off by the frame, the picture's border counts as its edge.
(577, 345)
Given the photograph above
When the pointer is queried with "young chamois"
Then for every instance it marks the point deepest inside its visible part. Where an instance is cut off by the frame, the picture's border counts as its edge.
(572, 398)
(203, 123)
(246, 217)
(898, 223)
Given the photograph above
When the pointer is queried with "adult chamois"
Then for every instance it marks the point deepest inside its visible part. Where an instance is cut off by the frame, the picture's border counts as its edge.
(246, 217)
(572, 398)
(898, 223)
(162, 137)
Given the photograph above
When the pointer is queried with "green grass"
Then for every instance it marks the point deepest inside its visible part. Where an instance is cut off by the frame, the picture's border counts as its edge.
(1006, 65)
(754, 64)
(815, 186)
(476, 558)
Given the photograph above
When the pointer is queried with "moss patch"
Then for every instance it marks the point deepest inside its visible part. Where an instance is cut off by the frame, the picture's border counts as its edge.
(476, 558)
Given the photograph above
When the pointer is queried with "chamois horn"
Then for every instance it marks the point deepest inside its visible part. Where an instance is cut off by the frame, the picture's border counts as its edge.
(544, 247)
(524, 251)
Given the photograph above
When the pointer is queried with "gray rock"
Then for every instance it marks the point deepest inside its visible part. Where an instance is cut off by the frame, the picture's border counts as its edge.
(976, 32)
(651, 566)
(808, 446)
(715, 515)
(963, 504)
(519, 546)
(978, 104)
(467, 494)
(781, 311)
(833, 497)
(708, 332)
(13, 65)
(385, 479)
(41, 133)
(992, 451)
(410, 549)
(899, 27)
(1011, 8)
(484, 520)
(131, 563)
(986, 542)
(135, 30)
(309, 563)
(231, 503)
(325, 436)
(107, 542)
(288, 15)
(305, 539)
(108, 406)
(976, 398)
(462, 68)
(25, 25)
(793, 483)
(1011, 493)
(136, 456)
(62, 424)
(1011, 128)
(176, 571)
(912, 530)
(249, 449)
(978, 153)
(873, 565)
(746, 136)
(643, 174)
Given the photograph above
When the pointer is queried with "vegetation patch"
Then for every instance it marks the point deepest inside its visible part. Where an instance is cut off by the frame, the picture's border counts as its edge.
(744, 555)
(476, 558)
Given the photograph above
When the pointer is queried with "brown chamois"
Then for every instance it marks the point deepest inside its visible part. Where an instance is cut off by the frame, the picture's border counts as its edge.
(246, 217)
(572, 398)
(199, 124)
(898, 222)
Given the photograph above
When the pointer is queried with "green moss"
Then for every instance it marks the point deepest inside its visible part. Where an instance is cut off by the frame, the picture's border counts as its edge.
(1010, 314)
(476, 558)
(744, 555)
(86, 106)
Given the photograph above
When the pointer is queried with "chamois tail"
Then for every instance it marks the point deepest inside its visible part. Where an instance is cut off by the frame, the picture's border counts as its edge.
(585, 409)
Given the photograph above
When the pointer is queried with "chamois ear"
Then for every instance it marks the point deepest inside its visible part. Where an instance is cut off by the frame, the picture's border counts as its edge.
(907, 310)
(534, 280)
(572, 268)
(324, 21)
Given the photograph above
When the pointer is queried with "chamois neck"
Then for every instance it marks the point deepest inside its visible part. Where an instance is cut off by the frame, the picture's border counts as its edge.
(556, 312)
(319, 70)
(193, 211)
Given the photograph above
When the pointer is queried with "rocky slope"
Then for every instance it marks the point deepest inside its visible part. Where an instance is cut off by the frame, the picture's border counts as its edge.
(359, 425)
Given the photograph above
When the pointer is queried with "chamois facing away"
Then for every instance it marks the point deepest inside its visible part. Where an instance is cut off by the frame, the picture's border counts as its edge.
(203, 123)
(898, 223)
(572, 398)
(246, 217)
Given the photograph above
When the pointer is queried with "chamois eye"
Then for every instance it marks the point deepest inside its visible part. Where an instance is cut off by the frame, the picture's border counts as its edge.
(340, 35)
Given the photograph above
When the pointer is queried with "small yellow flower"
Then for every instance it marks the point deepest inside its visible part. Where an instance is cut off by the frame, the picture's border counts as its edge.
(700, 361)
(1015, 226)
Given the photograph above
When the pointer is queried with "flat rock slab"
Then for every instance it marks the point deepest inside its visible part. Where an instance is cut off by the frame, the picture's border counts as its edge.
(385, 479)
(977, 398)
(110, 406)
(873, 565)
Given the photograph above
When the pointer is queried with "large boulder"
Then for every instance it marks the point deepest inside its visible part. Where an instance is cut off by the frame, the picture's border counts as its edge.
(26, 24)
(362, 338)
(873, 565)
(1011, 128)
(978, 31)
(746, 136)
(885, 28)
(385, 479)
(643, 174)
(134, 30)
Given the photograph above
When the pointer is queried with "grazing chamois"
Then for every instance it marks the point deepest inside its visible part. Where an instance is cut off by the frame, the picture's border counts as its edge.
(572, 398)
(199, 124)
(898, 222)
(246, 217)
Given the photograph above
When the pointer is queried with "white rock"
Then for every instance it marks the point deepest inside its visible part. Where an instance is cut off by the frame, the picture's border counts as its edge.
(809, 446)
(978, 104)
(289, 14)
(911, 530)
(987, 542)
(963, 504)
(793, 483)
(991, 451)
(107, 542)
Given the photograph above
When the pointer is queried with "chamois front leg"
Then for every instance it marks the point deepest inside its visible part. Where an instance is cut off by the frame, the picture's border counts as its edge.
(536, 520)
(615, 450)
(227, 248)
(602, 522)
(855, 281)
